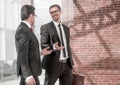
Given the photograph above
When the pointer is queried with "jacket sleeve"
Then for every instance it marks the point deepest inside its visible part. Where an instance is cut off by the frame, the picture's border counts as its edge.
(69, 48)
(23, 53)
(45, 38)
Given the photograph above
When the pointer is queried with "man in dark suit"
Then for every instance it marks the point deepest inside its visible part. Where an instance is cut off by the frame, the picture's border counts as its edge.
(27, 46)
(59, 63)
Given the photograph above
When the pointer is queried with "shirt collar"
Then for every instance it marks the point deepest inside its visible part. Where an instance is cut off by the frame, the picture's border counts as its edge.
(56, 24)
(28, 24)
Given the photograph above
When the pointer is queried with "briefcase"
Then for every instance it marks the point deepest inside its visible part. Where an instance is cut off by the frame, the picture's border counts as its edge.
(78, 79)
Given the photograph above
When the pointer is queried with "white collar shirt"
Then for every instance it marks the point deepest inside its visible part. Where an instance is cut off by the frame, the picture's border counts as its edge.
(64, 40)
(28, 24)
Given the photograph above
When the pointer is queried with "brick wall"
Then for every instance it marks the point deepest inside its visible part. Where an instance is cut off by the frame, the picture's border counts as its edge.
(95, 39)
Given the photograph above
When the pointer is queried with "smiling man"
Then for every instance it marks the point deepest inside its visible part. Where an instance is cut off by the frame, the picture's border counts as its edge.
(58, 64)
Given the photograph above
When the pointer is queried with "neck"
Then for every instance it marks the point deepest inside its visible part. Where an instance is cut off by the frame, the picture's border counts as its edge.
(27, 20)
(58, 21)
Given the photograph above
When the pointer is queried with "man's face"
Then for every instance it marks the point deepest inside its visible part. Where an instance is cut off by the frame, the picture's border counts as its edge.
(55, 14)
(33, 19)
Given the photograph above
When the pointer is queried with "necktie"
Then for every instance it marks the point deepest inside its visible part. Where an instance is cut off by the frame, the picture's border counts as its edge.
(61, 38)
(31, 29)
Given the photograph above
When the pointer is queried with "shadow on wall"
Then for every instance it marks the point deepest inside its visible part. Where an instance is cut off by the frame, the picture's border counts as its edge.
(85, 19)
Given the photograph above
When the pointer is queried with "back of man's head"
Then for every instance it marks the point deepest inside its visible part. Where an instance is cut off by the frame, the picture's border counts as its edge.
(26, 10)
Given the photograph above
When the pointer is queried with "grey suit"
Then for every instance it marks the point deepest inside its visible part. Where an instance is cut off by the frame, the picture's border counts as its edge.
(28, 54)
(50, 62)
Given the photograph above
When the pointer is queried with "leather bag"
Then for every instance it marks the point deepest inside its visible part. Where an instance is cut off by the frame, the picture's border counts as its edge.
(78, 79)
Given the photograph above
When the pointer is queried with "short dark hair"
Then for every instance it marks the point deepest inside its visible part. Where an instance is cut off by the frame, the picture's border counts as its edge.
(26, 10)
(55, 5)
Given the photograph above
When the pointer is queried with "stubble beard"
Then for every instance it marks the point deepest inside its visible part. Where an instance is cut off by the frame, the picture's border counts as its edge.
(56, 18)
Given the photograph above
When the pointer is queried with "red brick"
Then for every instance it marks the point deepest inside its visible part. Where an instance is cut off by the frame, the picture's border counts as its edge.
(95, 39)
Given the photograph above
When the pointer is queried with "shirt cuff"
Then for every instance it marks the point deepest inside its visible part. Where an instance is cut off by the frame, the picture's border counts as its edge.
(29, 77)
(54, 47)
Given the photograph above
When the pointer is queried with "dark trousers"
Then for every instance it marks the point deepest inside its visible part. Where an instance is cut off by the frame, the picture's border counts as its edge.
(22, 81)
(63, 72)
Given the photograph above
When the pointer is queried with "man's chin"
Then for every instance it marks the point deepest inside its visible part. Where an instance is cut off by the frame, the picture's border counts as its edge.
(55, 19)
(32, 24)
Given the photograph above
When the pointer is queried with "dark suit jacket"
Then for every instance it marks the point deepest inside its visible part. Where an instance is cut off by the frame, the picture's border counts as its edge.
(49, 36)
(28, 54)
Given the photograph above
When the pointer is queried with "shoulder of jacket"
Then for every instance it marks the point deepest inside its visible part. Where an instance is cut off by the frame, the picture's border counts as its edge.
(22, 30)
(65, 25)
(46, 26)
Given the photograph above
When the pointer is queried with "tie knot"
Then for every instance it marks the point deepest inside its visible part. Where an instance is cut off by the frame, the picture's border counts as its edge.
(31, 29)
(59, 25)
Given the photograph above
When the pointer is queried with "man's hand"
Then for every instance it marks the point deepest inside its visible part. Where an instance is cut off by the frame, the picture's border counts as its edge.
(57, 47)
(46, 51)
(30, 80)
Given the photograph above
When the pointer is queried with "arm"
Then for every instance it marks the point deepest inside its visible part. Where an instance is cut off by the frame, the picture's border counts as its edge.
(45, 40)
(22, 44)
(69, 48)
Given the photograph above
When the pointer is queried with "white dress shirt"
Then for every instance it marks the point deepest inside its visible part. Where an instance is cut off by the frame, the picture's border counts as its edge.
(28, 24)
(64, 40)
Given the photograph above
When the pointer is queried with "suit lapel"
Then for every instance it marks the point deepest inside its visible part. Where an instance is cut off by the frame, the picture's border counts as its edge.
(27, 28)
(56, 33)
(54, 29)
